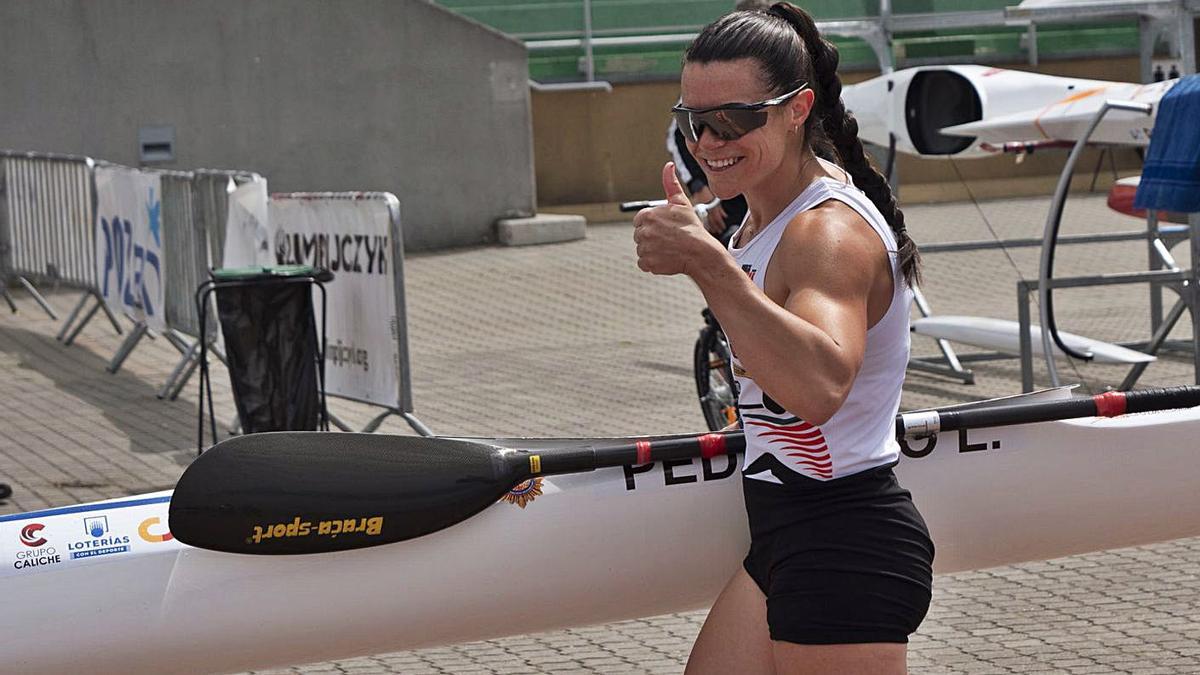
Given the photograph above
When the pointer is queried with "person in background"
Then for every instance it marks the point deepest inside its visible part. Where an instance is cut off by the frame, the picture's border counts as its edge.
(813, 292)
(728, 213)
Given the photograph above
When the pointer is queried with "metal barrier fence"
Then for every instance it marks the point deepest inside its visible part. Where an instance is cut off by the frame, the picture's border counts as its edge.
(353, 234)
(211, 190)
(46, 214)
(48, 233)
(200, 247)
(179, 265)
(185, 249)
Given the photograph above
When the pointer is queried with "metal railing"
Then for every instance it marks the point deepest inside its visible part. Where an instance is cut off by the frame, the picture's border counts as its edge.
(46, 214)
(48, 233)
(1168, 19)
(204, 241)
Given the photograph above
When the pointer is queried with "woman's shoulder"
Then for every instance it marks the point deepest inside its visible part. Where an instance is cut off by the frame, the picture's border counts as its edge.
(830, 217)
(832, 229)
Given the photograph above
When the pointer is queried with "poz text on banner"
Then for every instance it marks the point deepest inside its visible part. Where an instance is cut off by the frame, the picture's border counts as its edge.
(129, 257)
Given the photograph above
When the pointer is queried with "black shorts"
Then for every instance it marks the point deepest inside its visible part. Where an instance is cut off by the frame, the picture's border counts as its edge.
(841, 561)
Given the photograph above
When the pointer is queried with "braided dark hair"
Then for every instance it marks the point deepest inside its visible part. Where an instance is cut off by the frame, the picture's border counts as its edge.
(786, 43)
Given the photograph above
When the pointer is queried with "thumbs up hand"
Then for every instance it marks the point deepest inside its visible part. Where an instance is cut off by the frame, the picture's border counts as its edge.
(670, 238)
(672, 188)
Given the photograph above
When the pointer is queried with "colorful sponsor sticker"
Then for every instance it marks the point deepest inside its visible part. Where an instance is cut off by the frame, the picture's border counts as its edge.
(524, 492)
(80, 534)
(145, 533)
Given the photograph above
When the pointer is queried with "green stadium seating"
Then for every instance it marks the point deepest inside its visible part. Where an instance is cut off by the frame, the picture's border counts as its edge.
(536, 20)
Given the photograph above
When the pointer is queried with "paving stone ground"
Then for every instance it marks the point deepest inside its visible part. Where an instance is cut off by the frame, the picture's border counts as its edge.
(570, 339)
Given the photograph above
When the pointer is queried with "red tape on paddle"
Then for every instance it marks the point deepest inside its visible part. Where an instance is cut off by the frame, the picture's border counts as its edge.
(1110, 404)
(643, 452)
(712, 445)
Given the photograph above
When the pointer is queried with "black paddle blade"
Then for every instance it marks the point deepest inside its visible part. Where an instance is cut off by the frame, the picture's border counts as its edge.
(312, 492)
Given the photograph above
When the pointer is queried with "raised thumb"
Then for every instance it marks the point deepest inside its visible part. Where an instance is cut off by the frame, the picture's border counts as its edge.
(671, 187)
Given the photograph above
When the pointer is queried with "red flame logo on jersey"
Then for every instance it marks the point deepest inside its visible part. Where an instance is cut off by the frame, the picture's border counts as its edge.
(795, 438)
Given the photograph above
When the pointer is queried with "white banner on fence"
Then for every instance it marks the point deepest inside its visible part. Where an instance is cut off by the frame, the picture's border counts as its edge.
(247, 225)
(129, 257)
(351, 238)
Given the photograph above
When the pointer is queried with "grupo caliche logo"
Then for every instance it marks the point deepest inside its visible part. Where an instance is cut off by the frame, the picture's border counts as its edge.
(30, 536)
(40, 554)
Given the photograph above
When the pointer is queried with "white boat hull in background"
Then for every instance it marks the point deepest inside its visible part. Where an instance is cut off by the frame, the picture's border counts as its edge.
(1004, 335)
(980, 104)
(596, 547)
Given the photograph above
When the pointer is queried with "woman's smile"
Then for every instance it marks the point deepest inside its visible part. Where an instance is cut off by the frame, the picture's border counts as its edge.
(719, 165)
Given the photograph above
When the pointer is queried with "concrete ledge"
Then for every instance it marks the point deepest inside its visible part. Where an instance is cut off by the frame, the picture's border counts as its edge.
(544, 228)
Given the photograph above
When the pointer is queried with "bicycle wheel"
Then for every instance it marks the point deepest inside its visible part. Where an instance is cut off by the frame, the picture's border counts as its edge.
(714, 378)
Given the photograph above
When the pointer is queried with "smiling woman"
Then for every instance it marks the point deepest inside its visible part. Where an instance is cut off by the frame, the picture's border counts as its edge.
(813, 293)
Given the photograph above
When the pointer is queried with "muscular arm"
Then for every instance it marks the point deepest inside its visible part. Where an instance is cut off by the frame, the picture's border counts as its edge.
(803, 340)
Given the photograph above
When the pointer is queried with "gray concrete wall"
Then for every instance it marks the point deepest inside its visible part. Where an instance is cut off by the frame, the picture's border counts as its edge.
(395, 95)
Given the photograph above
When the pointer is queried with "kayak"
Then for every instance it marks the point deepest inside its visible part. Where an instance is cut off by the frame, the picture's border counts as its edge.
(554, 552)
(1005, 336)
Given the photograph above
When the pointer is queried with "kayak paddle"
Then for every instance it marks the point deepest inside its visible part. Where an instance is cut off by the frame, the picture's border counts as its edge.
(314, 492)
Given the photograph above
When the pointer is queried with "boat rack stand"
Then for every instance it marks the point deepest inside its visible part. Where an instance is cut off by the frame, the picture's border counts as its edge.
(1159, 241)
(1185, 282)
(1163, 272)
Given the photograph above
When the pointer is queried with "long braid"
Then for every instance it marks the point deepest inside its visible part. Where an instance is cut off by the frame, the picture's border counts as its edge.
(836, 127)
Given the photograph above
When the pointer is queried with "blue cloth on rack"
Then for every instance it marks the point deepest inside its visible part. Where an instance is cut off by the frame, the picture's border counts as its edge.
(1171, 175)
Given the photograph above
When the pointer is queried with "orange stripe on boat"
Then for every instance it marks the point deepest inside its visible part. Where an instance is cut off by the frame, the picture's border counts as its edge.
(1081, 95)
(1037, 121)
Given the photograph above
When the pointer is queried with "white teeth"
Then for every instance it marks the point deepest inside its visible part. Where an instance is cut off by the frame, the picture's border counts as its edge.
(722, 163)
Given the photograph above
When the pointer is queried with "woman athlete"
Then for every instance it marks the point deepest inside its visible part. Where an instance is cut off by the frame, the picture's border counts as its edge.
(813, 292)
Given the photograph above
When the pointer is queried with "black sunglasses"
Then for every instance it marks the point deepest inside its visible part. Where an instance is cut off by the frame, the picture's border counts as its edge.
(730, 121)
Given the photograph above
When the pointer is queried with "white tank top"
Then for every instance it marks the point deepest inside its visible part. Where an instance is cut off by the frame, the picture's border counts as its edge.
(861, 434)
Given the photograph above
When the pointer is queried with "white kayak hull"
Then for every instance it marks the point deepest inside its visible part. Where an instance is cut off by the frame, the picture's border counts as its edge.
(1005, 336)
(588, 550)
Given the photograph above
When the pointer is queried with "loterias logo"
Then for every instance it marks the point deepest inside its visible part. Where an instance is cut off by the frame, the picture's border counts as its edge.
(144, 532)
(30, 536)
(99, 544)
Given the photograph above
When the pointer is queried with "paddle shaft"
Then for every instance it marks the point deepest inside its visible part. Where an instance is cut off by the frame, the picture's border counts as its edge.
(587, 458)
(1109, 404)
